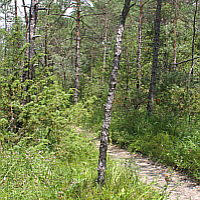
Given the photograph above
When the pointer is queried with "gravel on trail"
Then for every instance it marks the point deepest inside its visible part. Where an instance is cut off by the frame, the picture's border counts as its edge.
(179, 186)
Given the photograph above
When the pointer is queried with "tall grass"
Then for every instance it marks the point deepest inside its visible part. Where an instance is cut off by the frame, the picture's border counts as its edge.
(67, 171)
(166, 136)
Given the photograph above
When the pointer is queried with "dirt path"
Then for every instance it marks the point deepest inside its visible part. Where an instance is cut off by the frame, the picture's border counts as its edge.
(179, 186)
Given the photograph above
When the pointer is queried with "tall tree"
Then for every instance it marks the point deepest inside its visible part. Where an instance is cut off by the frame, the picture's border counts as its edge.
(112, 89)
(105, 47)
(155, 58)
(25, 13)
(77, 59)
(140, 47)
(30, 37)
(175, 25)
(194, 33)
(15, 9)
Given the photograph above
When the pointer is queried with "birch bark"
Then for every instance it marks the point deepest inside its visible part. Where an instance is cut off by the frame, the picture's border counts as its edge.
(112, 89)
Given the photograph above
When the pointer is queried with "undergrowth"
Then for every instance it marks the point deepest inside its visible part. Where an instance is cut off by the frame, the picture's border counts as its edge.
(168, 138)
(68, 171)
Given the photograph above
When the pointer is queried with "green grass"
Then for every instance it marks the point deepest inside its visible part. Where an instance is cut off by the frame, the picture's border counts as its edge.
(170, 140)
(166, 136)
(67, 171)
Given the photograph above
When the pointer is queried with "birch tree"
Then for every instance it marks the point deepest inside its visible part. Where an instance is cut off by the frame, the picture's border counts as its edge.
(112, 89)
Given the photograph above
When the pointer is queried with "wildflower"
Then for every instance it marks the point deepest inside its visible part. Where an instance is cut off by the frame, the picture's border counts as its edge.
(167, 177)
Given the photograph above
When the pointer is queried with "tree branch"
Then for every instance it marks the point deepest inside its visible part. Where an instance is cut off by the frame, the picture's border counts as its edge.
(60, 15)
(184, 61)
(132, 5)
(93, 14)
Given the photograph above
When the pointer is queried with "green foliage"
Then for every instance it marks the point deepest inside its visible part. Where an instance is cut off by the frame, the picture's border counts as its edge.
(180, 152)
(166, 136)
(88, 113)
(35, 115)
(43, 117)
(68, 171)
(46, 114)
(173, 141)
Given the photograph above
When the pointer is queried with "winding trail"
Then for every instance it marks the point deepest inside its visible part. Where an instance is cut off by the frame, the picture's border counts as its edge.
(179, 186)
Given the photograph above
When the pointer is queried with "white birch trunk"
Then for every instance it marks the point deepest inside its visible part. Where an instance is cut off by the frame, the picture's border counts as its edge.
(111, 95)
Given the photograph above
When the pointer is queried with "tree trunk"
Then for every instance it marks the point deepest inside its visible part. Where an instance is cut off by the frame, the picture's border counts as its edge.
(29, 70)
(194, 33)
(25, 13)
(139, 56)
(46, 37)
(155, 58)
(92, 63)
(5, 29)
(111, 95)
(175, 25)
(15, 9)
(104, 49)
(45, 43)
(77, 60)
(30, 38)
(192, 66)
(140, 48)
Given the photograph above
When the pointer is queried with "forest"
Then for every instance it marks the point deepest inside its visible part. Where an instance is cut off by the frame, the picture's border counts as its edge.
(123, 71)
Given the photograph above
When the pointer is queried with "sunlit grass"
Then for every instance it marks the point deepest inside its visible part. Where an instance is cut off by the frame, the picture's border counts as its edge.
(67, 172)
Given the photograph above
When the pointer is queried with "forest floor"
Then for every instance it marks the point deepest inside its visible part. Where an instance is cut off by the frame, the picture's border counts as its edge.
(176, 184)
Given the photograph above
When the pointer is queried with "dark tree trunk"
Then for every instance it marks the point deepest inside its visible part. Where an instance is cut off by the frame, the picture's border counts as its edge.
(194, 33)
(139, 56)
(77, 60)
(30, 37)
(29, 69)
(111, 95)
(16, 9)
(155, 58)
(192, 66)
